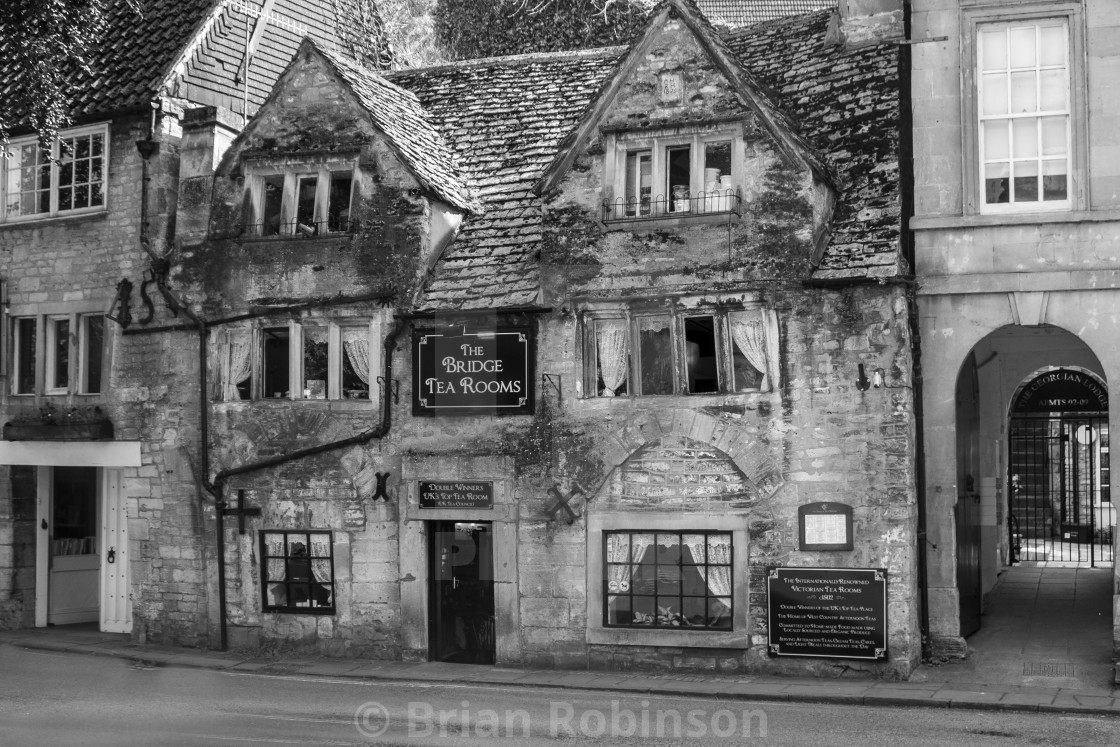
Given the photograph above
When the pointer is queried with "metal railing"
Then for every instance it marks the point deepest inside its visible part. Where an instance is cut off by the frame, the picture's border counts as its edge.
(659, 207)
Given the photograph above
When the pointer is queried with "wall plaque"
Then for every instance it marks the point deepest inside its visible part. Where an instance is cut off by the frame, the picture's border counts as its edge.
(828, 612)
(465, 494)
(825, 526)
(458, 374)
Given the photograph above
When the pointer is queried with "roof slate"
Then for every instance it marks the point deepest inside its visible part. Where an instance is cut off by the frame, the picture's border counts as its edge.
(504, 118)
(738, 13)
(399, 114)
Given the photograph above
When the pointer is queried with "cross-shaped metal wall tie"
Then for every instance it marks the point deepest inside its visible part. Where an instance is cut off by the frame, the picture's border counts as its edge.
(561, 502)
(241, 511)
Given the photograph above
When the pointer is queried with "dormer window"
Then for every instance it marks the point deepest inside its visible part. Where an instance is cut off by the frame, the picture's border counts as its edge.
(675, 174)
(301, 202)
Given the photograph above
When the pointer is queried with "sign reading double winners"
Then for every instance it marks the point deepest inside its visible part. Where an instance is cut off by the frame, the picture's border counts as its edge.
(828, 612)
(457, 494)
(485, 370)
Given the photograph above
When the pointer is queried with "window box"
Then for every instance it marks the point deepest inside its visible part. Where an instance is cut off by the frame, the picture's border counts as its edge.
(102, 430)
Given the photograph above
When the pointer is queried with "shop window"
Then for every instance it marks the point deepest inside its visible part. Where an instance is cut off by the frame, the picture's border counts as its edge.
(680, 352)
(298, 572)
(325, 360)
(302, 203)
(67, 179)
(668, 580)
(673, 175)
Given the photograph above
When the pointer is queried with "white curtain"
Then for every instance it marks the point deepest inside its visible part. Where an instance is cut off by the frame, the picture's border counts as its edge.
(749, 334)
(621, 551)
(717, 577)
(770, 319)
(240, 363)
(613, 340)
(321, 561)
(356, 342)
(277, 566)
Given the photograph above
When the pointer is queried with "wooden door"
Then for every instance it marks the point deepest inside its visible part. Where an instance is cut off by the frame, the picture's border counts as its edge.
(116, 608)
(73, 549)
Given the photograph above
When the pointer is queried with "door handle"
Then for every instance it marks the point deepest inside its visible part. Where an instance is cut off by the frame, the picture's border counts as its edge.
(111, 556)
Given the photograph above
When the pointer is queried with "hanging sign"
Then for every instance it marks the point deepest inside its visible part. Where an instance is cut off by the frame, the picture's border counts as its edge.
(456, 374)
(828, 612)
(1063, 390)
(476, 494)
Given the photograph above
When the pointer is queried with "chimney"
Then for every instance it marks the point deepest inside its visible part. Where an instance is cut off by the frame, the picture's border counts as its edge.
(865, 22)
(207, 134)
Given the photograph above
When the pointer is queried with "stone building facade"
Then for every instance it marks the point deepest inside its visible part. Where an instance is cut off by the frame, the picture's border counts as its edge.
(91, 517)
(1015, 260)
(481, 385)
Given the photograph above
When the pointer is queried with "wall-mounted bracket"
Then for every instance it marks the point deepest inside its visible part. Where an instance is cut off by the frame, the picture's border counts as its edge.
(554, 380)
(382, 484)
(396, 388)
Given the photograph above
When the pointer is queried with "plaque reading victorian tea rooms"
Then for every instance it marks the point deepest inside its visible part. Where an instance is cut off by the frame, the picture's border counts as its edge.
(488, 370)
(829, 612)
(457, 494)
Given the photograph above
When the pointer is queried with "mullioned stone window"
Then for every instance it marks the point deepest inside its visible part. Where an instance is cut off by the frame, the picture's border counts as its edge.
(307, 360)
(641, 351)
(294, 199)
(673, 173)
(69, 179)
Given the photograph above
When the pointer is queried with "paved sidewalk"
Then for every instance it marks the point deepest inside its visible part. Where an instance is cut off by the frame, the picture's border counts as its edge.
(743, 687)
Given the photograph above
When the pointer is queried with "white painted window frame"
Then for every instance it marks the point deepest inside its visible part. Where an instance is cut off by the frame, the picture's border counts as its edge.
(50, 357)
(976, 15)
(83, 352)
(55, 156)
(293, 174)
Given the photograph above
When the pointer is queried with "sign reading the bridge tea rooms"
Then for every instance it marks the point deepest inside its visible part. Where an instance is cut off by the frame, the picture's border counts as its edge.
(828, 612)
(458, 374)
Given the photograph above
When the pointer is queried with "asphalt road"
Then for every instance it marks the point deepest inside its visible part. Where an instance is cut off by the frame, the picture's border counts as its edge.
(73, 699)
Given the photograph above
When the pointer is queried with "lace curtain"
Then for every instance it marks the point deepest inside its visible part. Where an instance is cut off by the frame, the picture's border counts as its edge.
(356, 342)
(240, 363)
(613, 340)
(321, 560)
(756, 336)
(717, 572)
(619, 550)
(277, 566)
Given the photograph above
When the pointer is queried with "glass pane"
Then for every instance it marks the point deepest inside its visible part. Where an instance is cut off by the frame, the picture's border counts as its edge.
(276, 342)
(700, 354)
(644, 611)
(1026, 181)
(994, 54)
(668, 581)
(995, 94)
(1023, 47)
(1054, 136)
(81, 197)
(720, 614)
(81, 172)
(25, 351)
(81, 147)
(995, 183)
(679, 175)
(639, 182)
(1053, 50)
(352, 385)
(1053, 85)
(618, 610)
(94, 345)
(338, 208)
(656, 353)
(314, 363)
(717, 163)
(61, 353)
(1024, 96)
(694, 612)
(668, 548)
(66, 174)
(95, 196)
(65, 198)
(95, 145)
(273, 199)
(996, 141)
(695, 545)
(305, 206)
(1025, 137)
(1054, 180)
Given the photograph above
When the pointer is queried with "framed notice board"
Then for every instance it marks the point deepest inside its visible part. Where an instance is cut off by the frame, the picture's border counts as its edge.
(828, 612)
(825, 526)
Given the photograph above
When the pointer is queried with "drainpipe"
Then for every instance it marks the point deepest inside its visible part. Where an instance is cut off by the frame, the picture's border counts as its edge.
(906, 177)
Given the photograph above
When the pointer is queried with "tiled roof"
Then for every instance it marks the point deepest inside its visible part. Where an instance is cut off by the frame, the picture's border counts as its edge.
(846, 103)
(504, 118)
(399, 114)
(737, 13)
(190, 49)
